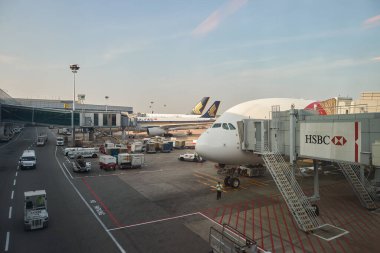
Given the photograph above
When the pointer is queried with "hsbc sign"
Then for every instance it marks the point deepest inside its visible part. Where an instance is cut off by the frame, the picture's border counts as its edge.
(319, 139)
(331, 140)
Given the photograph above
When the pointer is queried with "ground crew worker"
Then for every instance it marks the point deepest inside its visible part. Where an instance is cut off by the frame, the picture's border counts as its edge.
(218, 191)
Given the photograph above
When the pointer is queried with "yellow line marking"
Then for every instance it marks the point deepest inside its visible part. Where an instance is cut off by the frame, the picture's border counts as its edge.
(256, 182)
(207, 175)
(213, 181)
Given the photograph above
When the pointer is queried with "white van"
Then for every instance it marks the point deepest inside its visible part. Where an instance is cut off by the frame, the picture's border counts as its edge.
(28, 160)
(60, 141)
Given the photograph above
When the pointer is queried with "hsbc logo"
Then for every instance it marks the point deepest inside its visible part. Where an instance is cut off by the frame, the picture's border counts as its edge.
(339, 140)
(325, 140)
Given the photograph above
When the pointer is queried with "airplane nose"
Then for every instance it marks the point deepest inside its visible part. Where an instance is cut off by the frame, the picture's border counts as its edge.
(201, 146)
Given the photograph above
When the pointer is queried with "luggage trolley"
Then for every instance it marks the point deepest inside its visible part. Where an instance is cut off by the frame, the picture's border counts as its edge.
(230, 240)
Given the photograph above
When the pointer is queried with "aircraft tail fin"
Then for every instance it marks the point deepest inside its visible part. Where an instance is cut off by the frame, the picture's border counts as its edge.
(198, 109)
(211, 112)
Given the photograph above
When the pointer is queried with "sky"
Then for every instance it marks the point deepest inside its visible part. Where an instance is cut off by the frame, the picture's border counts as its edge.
(174, 52)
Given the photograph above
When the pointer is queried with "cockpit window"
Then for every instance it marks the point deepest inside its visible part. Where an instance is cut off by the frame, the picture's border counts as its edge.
(231, 126)
(216, 125)
(225, 126)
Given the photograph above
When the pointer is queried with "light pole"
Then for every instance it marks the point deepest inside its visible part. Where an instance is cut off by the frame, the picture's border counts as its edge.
(106, 97)
(151, 105)
(74, 68)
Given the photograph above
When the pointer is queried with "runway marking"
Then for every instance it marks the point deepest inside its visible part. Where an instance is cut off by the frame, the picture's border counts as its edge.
(114, 220)
(14, 182)
(16, 173)
(154, 221)
(67, 171)
(12, 141)
(89, 207)
(10, 212)
(7, 241)
(12, 194)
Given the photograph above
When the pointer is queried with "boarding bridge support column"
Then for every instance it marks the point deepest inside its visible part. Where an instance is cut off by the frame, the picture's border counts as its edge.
(292, 138)
(316, 181)
(362, 174)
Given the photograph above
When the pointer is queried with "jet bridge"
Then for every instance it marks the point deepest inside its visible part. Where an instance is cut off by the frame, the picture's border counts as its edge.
(348, 140)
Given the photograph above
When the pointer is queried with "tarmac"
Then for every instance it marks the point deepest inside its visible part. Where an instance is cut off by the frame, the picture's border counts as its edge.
(166, 206)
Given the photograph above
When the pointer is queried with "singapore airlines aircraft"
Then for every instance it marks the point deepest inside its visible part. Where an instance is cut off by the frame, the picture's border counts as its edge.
(159, 124)
(220, 143)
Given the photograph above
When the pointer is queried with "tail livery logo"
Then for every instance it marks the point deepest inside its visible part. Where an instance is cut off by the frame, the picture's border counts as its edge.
(211, 112)
(198, 109)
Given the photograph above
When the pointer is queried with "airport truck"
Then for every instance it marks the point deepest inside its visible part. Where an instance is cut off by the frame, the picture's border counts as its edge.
(41, 139)
(35, 210)
(126, 160)
(107, 162)
(80, 165)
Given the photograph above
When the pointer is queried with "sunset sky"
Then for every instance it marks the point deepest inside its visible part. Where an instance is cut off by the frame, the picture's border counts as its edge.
(175, 52)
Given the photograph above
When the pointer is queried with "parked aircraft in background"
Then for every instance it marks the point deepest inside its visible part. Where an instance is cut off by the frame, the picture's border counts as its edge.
(159, 124)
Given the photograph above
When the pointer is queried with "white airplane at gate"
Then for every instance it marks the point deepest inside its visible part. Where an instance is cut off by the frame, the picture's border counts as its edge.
(220, 143)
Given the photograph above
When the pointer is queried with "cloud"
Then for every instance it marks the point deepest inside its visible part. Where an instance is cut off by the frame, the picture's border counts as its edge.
(7, 59)
(372, 22)
(122, 50)
(214, 20)
(376, 59)
(307, 67)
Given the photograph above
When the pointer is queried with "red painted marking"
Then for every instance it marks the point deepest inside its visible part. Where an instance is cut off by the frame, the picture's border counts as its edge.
(320, 244)
(296, 229)
(245, 216)
(356, 211)
(237, 216)
(221, 218)
(229, 219)
(337, 240)
(278, 229)
(114, 220)
(362, 219)
(216, 213)
(330, 242)
(353, 224)
(253, 219)
(311, 244)
(270, 230)
(286, 225)
(261, 225)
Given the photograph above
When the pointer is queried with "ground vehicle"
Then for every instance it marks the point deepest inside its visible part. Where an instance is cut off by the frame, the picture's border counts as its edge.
(42, 139)
(83, 152)
(80, 165)
(191, 158)
(17, 130)
(28, 159)
(35, 210)
(231, 240)
(67, 150)
(60, 141)
(107, 162)
(125, 160)
(64, 131)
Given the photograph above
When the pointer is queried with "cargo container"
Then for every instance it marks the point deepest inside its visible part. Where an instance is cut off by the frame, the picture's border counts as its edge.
(136, 147)
(166, 147)
(126, 160)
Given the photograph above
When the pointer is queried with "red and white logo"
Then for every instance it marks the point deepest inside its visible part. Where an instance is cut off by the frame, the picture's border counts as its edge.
(338, 140)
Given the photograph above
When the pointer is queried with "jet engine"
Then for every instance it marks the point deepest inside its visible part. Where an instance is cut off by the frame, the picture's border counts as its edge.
(155, 131)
